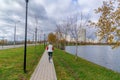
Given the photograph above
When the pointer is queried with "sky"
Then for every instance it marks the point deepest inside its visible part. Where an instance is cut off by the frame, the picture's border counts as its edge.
(46, 13)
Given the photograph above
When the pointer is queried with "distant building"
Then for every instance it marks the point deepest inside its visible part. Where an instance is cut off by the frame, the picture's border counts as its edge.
(69, 38)
(82, 35)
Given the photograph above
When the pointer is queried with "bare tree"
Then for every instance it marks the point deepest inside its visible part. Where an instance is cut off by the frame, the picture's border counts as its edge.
(59, 35)
(62, 32)
(77, 22)
(36, 25)
(72, 26)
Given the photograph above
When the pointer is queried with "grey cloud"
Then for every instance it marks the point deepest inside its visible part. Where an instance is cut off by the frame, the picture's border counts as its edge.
(38, 11)
(47, 17)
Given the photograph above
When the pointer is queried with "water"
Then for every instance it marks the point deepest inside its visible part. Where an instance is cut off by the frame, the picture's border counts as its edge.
(102, 55)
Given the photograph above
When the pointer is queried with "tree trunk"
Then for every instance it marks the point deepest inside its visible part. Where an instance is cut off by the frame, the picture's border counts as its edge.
(76, 50)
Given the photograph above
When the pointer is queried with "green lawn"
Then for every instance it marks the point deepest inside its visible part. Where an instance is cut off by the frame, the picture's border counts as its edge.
(67, 68)
(11, 62)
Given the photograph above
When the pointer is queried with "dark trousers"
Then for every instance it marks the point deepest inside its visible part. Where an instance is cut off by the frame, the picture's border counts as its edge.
(50, 54)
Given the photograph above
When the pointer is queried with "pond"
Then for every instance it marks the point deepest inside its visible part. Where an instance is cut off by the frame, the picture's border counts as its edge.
(101, 55)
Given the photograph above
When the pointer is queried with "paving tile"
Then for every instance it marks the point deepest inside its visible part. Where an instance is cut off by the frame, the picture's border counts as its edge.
(45, 70)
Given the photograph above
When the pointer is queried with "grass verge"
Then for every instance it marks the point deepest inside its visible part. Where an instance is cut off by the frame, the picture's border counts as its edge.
(67, 68)
(11, 62)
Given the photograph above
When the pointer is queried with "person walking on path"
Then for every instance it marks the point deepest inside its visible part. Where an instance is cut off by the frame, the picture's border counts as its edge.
(50, 50)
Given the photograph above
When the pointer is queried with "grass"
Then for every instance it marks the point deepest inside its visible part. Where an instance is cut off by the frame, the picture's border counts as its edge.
(67, 68)
(11, 62)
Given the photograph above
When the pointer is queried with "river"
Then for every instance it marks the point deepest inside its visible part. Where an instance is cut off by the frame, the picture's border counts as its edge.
(101, 55)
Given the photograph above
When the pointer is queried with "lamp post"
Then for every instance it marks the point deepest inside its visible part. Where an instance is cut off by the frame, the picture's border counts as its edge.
(44, 40)
(25, 44)
(35, 36)
(15, 33)
(41, 37)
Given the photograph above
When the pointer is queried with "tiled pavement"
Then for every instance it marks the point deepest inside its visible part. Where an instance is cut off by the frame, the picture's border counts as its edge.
(45, 70)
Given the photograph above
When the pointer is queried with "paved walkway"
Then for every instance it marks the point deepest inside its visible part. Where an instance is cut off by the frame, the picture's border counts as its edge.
(13, 46)
(44, 69)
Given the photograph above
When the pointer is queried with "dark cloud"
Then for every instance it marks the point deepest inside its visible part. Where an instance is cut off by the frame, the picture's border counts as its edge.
(38, 11)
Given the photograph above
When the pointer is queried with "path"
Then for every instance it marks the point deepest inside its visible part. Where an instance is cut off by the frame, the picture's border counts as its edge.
(44, 69)
(12, 46)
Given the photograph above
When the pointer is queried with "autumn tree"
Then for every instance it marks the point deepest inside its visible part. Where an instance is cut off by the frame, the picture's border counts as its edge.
(51, 38)
(108, 24)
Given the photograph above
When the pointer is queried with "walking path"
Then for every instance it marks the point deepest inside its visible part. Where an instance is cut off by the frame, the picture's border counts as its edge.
(13, 46)
(45, 70)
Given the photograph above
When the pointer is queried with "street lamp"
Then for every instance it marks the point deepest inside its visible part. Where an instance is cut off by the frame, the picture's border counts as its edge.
(44, 40)
(25, 44)
(15, 33)
(41, 36)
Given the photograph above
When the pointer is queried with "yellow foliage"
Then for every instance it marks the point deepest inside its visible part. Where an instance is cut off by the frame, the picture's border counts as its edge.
(109, 21)
(52, 38)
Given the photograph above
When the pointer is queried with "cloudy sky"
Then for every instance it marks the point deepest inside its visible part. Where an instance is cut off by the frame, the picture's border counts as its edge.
(46, 13)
